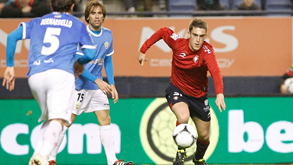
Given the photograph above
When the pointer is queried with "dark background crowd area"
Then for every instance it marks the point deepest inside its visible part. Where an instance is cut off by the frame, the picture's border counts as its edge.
(153, 8)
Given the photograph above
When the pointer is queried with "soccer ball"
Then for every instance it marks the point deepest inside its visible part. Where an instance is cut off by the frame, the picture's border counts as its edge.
(184, 135)
(289, 84)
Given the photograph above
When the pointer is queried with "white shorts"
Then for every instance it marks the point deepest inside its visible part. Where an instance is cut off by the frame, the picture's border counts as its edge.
(89, 101)
(54, 92)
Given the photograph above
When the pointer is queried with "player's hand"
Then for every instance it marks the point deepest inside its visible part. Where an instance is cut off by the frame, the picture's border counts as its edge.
(78, 69)
(9, 78)
(141, 58)
(284, 89)
(220, 102)
(105, 87)
(114, 94)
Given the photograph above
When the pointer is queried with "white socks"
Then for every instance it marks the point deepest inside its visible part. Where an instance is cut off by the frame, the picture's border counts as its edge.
(50, 136)
(106, 137)
(41, 137)
(55, 149)
(108, 143)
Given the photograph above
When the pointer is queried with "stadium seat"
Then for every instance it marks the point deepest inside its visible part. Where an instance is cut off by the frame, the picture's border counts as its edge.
(182, 5)
(226, 3)
(282, 5)
(235, 3)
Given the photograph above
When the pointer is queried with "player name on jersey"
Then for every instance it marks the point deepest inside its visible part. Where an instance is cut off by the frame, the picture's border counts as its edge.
(60, 22)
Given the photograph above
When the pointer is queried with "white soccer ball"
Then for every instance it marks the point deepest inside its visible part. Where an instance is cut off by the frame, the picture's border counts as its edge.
(289, 84)
(184, 135)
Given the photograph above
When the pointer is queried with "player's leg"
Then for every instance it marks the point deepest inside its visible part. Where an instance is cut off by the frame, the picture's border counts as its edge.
(39, 90)
(47, 136)
(106, 135)
(82, 98)
(178, 104)
(41, 99)
(40, 140)
(100, 103)
(202, 143)
(52, 158)
(51, 136)
(200, 114)
(103, 117)
(59, 100)
(181, 112)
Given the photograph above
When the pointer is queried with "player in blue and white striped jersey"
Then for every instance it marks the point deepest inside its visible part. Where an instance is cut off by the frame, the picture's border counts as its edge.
(91, 90)
(51, 65)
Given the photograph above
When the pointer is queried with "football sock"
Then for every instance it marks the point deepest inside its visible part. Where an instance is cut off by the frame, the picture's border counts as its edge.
(108, 143)
(60, 139)
(177, 123)
(50, 138)
(41, 137)
(201, 148)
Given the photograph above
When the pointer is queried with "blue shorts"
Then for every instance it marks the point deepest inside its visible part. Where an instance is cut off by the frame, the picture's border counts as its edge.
(198, 107)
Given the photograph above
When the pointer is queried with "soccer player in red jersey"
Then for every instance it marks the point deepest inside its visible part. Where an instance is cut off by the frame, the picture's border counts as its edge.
(187, 91)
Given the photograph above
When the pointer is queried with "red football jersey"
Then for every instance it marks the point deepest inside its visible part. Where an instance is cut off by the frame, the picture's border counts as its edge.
(189, 69)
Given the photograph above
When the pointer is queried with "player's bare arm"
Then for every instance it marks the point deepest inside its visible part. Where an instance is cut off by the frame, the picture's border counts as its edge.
(141, 58)
(114, 94)
(105, 87)
(9, 78)
(220, 102)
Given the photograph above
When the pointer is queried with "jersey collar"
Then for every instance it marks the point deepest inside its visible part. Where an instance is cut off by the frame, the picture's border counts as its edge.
(95, 35)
